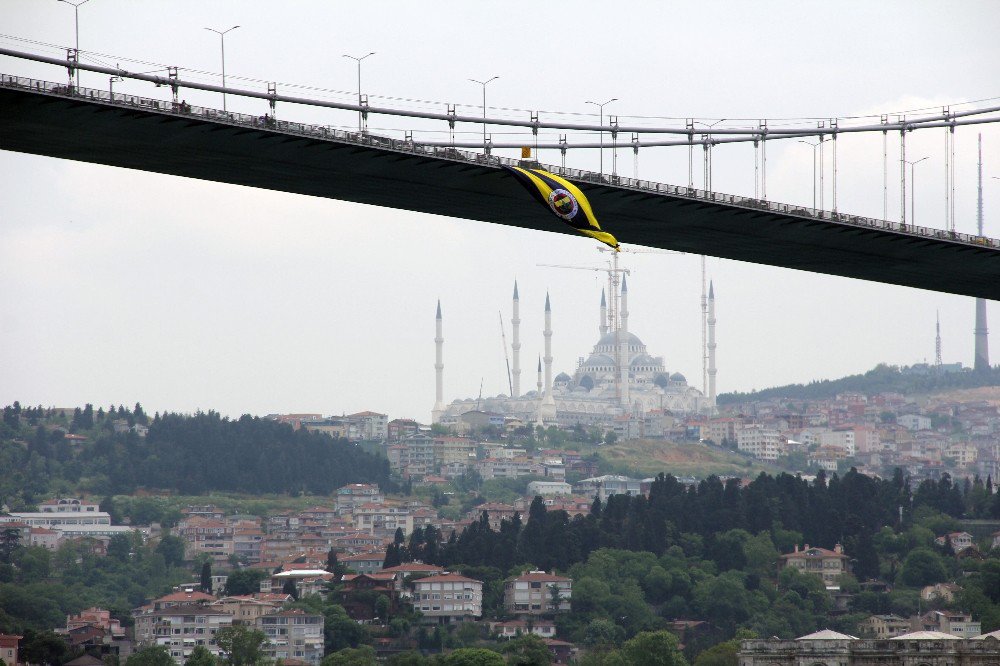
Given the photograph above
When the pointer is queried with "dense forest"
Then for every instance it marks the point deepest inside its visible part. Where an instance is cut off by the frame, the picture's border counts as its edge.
(187, 454)
(881, 379)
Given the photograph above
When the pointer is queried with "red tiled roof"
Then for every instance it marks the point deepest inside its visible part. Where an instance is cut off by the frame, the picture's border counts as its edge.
(447, 578)
(186, 596)
(414, 566)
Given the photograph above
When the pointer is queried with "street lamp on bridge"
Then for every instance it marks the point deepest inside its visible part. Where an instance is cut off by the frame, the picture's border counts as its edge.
(708, 151)
(913, 192)
(814, 146)
(222, 39)
(601, 106)
(76, 15)
(483, 84)
(358, 60)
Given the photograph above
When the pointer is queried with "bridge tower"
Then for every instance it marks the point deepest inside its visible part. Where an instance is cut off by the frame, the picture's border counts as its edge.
(982, 360)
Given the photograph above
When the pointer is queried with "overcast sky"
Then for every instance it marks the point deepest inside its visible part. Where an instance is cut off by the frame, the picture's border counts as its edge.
(121, 286)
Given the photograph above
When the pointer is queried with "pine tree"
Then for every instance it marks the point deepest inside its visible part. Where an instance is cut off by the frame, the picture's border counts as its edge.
(206, 578)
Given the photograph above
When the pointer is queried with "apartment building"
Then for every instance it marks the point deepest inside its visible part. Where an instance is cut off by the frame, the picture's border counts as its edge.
(448, 598)
(537, 593)
(292, 634)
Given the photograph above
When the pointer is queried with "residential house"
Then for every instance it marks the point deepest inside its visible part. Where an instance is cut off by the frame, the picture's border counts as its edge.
(827, 564)
(955, 623)
(8, 649)
(884, 626)
(959, 541)
(515, 628)
(943, 591)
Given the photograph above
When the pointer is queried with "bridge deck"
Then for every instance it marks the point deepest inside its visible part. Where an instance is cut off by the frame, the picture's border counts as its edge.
(241, 150)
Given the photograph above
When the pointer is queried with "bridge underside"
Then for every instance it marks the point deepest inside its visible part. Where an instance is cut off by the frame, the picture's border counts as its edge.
(196, 148)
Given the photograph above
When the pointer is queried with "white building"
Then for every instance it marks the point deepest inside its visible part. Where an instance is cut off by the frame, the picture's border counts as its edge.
(549, 488)
(293, 634)
(608, 485)
(841, 438)
(448, 598)
(914, 422)
(760, 442)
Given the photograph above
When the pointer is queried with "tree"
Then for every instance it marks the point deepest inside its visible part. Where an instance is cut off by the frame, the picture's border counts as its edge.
(724, 654)
(241, 645)
(244, 581)
(44, 647)
(361, 656)
(473, 657)
(200, 656)
(603, 633)
(653, 648)
(155, 655)
(922, 567)
(289, 588)
(527, 650)
(206, 578)
(172, 550)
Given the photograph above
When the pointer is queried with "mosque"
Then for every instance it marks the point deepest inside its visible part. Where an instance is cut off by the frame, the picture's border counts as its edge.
(619, 377)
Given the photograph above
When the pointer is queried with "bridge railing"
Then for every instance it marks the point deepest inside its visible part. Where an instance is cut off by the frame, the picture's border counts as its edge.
(325, 132)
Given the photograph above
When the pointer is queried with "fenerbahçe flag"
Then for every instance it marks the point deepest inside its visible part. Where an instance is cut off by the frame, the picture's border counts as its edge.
(564, 199)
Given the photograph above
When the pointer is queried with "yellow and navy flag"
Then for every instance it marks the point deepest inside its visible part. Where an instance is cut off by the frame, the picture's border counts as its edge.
(564, 199)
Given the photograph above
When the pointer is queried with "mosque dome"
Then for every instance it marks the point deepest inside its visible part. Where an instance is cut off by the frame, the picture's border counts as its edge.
(678, 377)
(612, 339)
(563, 377)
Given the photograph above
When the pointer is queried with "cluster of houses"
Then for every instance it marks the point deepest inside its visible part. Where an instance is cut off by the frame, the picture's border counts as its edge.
(877, 433)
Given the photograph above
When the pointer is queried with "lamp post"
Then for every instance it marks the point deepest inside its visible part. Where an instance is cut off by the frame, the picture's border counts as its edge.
(814, 146)
(913, 192)
(358, 60)
(483, 84)
(600, 107)
(76, 17)
(222, 39)
(708, 151)
(111, 86)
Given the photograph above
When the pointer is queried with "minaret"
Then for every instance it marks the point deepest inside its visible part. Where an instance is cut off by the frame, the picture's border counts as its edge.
(937, 341)
(538, 415)
(982, 361)
(624, 305)
(711, 347)
(515, 346)
(438, 370)
(623, 355)
(548, 408)
(604, 315)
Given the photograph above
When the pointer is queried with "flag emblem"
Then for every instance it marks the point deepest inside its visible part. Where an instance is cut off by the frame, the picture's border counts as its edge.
(564, 199)
(563, 204)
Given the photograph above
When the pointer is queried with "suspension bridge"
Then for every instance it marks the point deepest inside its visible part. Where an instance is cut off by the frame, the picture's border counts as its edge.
(168, 136)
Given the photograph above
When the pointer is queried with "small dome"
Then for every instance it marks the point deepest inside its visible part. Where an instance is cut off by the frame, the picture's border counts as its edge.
(661, 380)
(678, 377)
(563, 377)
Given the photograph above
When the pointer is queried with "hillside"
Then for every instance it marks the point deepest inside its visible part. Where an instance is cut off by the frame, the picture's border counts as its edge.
(647, 457)
(881, 379)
